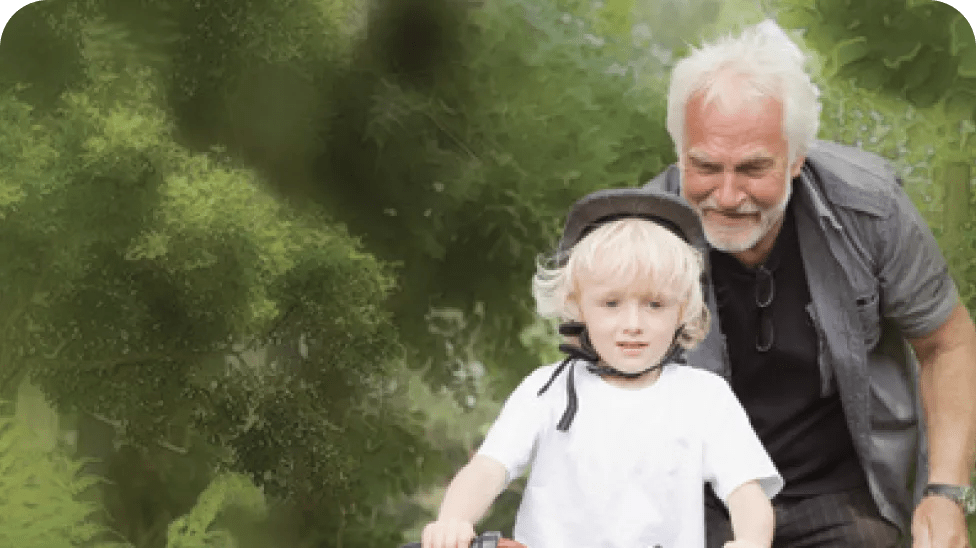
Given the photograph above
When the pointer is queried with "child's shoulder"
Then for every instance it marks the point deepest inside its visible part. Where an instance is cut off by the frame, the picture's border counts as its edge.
(539, 376)
(548, 369)
(701, 393)
(699, 378)
(542, 372)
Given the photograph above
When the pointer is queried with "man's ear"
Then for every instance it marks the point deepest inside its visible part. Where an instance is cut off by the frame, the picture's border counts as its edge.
(797, 166)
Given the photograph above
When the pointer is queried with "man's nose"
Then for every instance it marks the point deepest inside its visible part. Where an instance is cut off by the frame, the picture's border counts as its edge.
(728, 194)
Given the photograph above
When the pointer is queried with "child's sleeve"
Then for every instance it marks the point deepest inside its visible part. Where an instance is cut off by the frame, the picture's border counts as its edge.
(512, 437)
(733, 454)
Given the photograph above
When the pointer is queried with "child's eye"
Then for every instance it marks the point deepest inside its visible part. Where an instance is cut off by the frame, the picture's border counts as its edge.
(610, 303)
(658, 302)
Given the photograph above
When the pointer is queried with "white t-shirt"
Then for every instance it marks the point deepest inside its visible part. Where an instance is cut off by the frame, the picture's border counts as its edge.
(630, 470)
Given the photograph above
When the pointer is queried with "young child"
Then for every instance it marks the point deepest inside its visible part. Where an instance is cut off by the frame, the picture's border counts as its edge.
(620, 457)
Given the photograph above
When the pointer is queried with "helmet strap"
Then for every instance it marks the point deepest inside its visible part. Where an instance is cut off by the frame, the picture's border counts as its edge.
(675, 353)
(584, 351)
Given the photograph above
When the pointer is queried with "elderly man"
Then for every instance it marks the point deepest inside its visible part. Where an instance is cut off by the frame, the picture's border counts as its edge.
(822, 270)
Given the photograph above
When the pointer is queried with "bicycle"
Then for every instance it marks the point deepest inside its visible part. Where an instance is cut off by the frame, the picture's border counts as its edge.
(489, 539)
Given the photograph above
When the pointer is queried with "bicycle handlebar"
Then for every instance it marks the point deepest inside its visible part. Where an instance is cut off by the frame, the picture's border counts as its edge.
(489, 539)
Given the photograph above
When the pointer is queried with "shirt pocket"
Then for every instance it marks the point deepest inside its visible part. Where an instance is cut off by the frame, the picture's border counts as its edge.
(869, 317)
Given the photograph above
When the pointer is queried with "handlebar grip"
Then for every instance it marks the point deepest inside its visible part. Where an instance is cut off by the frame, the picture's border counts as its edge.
(489, 539)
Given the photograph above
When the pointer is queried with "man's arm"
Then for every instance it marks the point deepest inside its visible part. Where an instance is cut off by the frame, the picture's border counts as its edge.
(469, 495)
(752, 517)
(947, 357)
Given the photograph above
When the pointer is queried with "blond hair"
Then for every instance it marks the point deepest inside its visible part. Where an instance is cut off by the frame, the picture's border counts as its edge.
(627, 249)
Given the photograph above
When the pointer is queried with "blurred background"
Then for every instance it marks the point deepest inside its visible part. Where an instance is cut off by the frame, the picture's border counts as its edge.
(264, 264)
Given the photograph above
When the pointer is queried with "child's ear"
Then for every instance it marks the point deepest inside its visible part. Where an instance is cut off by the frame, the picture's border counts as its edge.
(683, 313)
(696, 326)
(572, 308)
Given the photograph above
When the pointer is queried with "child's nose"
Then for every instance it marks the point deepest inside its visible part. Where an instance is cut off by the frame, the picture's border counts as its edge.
(632, 317)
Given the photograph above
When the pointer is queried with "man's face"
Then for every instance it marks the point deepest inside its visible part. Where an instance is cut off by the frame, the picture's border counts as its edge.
(737, 175)
(630, 326)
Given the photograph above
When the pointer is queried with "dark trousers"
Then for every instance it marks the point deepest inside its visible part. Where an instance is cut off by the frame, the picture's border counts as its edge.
(849, 519)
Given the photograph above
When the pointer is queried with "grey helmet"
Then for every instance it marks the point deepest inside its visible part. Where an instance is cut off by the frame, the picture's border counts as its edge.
(668, 210)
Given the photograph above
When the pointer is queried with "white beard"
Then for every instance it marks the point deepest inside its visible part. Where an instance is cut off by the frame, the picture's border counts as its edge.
(740, 240)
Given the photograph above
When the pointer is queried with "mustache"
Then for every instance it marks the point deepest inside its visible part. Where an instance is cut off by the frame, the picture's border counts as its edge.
(746, 208)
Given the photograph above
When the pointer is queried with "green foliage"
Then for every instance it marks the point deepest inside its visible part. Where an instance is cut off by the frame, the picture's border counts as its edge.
(197, 529)
(666, 28)
(41, 504)
(167, 291)
(923, 52)
(467, 181)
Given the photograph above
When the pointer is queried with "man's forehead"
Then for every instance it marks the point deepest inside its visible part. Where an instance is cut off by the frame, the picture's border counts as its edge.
(730, 104)
(746, 134)
(763, 114)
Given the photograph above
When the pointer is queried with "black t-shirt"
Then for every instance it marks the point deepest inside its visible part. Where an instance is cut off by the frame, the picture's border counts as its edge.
(805, 433)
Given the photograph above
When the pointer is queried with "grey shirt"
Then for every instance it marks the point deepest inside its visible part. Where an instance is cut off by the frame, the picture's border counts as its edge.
(876, 277)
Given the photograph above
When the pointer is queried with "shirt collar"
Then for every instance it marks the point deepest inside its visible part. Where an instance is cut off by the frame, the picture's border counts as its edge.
(813, 197)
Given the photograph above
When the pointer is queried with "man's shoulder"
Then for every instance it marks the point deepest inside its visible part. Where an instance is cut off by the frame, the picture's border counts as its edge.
(668, 180)
(853, 178)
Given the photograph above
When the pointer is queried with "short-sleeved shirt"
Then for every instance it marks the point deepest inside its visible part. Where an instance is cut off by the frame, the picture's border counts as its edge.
(630, 469)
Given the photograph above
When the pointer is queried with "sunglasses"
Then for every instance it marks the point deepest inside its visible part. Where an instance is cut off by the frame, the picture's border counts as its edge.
(765, 290)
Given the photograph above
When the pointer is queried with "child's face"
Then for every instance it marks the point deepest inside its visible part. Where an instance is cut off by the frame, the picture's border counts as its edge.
(630, 325)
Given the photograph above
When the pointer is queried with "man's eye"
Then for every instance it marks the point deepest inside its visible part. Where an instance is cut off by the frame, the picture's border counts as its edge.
(755, 170)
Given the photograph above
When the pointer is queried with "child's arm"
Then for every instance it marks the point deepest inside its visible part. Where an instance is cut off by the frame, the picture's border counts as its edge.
(752, 517)
(468, 496)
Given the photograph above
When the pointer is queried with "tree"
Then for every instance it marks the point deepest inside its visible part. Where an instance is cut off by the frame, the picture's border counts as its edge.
(135, 266)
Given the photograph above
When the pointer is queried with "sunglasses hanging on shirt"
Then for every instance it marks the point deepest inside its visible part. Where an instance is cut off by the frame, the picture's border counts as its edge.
(765, 291)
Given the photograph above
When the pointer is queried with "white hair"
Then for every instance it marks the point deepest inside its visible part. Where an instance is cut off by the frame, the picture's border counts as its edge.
(760, 63)
(627, 249)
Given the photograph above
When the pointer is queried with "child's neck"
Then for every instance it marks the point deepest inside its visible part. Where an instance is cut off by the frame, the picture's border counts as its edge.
(643, 381)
